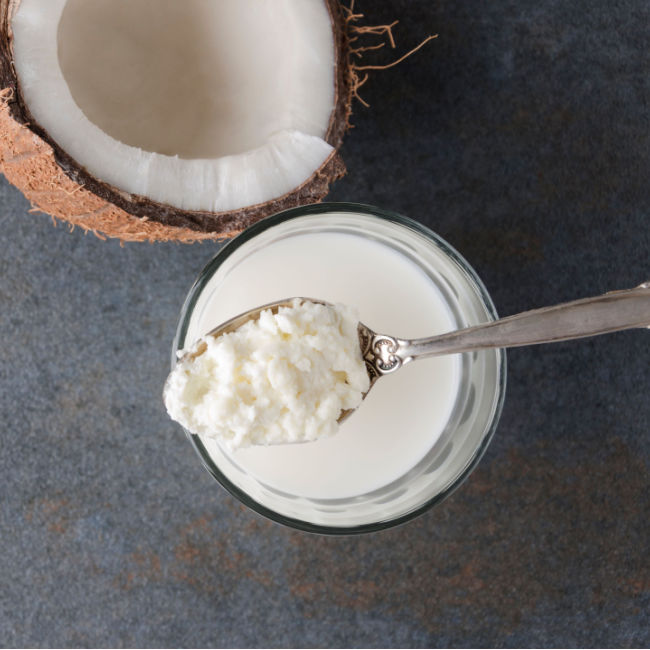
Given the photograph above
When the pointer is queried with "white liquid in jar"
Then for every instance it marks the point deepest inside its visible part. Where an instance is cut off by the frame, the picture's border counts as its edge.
(404, 413)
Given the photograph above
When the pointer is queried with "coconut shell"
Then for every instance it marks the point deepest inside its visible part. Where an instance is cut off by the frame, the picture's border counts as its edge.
(56, 184)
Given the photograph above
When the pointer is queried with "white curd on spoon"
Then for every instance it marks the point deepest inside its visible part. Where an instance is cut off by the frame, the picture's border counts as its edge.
(283, 377)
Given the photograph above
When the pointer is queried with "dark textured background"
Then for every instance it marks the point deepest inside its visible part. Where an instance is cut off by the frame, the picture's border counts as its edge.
(521, 136)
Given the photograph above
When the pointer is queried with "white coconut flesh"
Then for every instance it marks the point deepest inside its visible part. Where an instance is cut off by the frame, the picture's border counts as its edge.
(208, 105)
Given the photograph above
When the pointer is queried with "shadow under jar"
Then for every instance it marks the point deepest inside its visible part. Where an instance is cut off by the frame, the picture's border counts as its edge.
(420, 431)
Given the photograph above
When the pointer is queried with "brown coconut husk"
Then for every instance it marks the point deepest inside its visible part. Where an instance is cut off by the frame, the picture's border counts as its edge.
(56, 184)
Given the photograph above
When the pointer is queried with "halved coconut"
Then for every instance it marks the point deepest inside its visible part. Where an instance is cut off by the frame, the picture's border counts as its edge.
(168, 119)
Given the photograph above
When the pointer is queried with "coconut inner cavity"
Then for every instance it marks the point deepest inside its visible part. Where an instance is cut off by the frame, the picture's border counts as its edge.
(197, 78)
(203, 104)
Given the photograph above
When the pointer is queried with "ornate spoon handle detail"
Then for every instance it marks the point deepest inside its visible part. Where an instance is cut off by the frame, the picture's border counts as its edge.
(617, 310)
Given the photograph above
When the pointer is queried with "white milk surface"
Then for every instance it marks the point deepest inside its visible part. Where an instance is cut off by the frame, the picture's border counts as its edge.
(403, 415)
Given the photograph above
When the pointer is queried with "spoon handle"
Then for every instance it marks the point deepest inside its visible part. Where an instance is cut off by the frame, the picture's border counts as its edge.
(616, 310)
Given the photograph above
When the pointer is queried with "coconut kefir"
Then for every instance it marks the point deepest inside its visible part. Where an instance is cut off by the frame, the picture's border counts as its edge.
(403, 415)
(285, 376)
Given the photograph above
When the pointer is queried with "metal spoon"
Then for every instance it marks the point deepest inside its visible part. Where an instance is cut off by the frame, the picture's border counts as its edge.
(384, 354)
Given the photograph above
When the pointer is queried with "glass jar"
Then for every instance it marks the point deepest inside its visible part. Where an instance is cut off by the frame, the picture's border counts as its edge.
(476, 406)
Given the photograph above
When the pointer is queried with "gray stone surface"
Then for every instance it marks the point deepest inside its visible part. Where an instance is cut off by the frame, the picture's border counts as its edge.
(521, 136)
